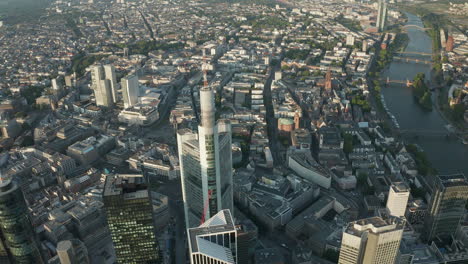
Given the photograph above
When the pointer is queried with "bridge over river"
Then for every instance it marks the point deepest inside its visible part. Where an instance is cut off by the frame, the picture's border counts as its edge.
(423, 133)
(413, 60)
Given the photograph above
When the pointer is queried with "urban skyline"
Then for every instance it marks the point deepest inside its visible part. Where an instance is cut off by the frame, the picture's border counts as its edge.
(233, 132)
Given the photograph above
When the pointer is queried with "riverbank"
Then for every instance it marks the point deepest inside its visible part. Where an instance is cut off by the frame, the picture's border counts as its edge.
(389, 121)
(435, 23)
(417, 126)
(382, 60)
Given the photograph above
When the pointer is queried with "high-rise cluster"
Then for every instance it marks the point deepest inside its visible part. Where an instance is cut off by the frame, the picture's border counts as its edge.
(104, 84)
(381, 15)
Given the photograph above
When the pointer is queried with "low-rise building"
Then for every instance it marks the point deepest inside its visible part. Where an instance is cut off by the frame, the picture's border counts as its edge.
(139, 115)
(91, 149)
(305, 166)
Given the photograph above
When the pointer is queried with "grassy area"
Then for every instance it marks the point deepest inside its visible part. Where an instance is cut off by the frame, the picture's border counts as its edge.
(422, 163)
(70, 22)
(453, 113)
(297, 54)
(144, 46)
(348, 23)
(421, 92)
(382, 59)
(81, 61)
(31, 93)
(268, 22)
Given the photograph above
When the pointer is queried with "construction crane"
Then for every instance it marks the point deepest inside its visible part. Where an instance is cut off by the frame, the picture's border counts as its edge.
(205, 208)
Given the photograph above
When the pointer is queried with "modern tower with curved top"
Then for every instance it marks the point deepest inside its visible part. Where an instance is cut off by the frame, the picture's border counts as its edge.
(17, 240)
(206, 164)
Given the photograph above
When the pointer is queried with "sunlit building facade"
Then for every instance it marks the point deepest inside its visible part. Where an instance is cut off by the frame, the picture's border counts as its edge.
(206, 164)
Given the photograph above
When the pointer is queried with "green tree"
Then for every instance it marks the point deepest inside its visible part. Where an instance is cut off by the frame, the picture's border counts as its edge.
(362, 178)
(458, 112)
(331, 255)
(426, 101)
(27, 141)
(25, 126)
(20, 114)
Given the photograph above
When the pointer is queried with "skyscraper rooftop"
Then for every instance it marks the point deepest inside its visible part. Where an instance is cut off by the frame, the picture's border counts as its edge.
(128, 184)
(452, 180)
(375, 225)
(204, 240)
(399, 187)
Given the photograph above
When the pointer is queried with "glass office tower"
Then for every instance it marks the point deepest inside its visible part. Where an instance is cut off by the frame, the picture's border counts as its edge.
(130, 218)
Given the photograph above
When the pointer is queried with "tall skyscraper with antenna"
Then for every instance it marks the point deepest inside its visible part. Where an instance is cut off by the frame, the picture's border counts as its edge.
(206, 164)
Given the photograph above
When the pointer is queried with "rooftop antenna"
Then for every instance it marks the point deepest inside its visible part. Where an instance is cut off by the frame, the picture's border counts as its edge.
(205, 71)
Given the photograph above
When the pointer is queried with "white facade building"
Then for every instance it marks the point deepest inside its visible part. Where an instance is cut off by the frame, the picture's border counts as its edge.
(214, 241)
(130, 90)
(373, 240)
(398, 199)
(142, 115)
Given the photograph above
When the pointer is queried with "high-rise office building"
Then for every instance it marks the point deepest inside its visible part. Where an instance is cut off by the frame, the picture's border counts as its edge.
(206, 164)
(447, 205)
(214, 241)
(398, 199)
(373, 240)
(4, 254)
(247, 234)
(102, 85)
(381, 15)
(72, 252)
(15, 227)
(130, 217)
(130, 90)
(109, 71)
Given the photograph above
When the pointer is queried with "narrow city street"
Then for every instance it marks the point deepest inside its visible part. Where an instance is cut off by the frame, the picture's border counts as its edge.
(174, 192)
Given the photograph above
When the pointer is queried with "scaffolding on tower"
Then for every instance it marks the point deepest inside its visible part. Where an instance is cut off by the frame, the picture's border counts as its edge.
(205, 208)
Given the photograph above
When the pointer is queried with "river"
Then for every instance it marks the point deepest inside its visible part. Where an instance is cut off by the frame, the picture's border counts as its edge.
(446, 155)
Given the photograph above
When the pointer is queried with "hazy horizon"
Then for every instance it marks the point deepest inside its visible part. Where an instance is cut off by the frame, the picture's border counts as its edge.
(14, 11)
